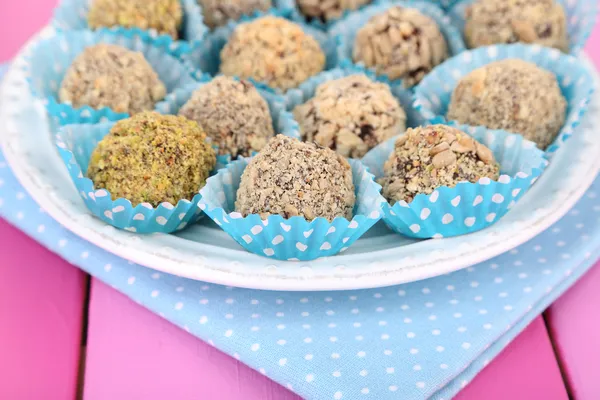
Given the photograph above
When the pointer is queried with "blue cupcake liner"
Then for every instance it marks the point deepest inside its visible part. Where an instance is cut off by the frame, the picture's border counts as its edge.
(72, 15)
(50, 59)
(344, 32)
(433, 94)
(294, 239)
(283, 121)
(307, 90)
(467, 207)
(581, 18)
(75, 144)
(207, 58)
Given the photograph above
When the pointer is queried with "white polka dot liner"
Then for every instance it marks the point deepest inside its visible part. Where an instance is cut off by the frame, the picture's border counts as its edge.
(75, 144)
(467, 207)
(207, 58)
(294, 238)
(50, 58)
(283, 122)
(581, 18)
(432, 95)
(307, 90)
(345, 30)
(72, 15)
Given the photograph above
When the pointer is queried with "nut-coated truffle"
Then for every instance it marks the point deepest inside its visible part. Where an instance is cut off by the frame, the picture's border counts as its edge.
(274, 51)
(152, 158)
(429, 157)
(401, 43)
(107, 75)
(292, 178)
(508, 21)
(233, 114)
(513, 95)
(351, 115)
(329, 9)
(218, 12)
(163, 16)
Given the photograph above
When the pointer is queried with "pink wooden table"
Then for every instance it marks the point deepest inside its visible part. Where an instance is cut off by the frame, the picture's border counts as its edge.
(50, 348)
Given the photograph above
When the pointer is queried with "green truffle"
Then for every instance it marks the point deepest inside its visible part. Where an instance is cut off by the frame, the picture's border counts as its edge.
(152, 158)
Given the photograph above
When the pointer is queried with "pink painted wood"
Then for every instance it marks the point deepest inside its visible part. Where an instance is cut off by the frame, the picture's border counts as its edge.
(41, 314)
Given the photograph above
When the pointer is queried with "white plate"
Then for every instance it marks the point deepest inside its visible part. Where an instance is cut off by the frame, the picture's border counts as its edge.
(205, 253)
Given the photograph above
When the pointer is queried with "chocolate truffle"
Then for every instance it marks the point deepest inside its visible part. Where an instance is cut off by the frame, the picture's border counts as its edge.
(513, 95)
(401, 43)
(509, 21)
(274, 51)
(426, 158)
(233, 114)
(351, 115)
(218, 12)
(163, 16)
(152, 158)
(328, 9)
(107, 75)
(292, 178)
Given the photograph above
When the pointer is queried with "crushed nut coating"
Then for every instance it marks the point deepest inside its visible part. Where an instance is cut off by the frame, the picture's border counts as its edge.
(152, 158)
(233, 114)
(509, 21)
(513, 95)
(327, 10)
(429, 157)
(107, 75)
(218, 12)
(401, 43)
(292, 178)
(351, 115)
(274, 51)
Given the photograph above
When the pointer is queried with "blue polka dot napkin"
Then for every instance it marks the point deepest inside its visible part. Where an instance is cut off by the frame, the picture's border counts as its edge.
(422, 340)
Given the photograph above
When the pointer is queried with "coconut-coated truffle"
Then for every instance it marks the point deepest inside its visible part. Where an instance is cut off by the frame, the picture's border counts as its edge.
(152, 158)
(401, 43)
(426, 158)
(351, 115)
(274, 51)
(329, 9)
(292, 178)
(218, 12)
(233, 114)
(513, 95)
(107, 75)
(163, 16)
(508, 21)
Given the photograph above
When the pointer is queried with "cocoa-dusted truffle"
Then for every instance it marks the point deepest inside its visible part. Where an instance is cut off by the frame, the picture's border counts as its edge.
(163, 16)
(233, 114)
(107, 75)
(272, 50)
(329, 9)
(508, 21)
(351, 115)
(292, 178)
(401, 43)
(426, 158)
(513, 95)
(218, 12)
(152, 158)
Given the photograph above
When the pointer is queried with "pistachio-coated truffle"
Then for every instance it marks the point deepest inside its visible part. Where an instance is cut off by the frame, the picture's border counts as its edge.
(233, 114)
(329, 9)
(401, 43)
(152, 158)
(426, 158)
(218, 12)
(508, 21)
(351, 115)
(274, 51)
(163, 16)
(292, 178)
(513, 95)
(107, 75)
